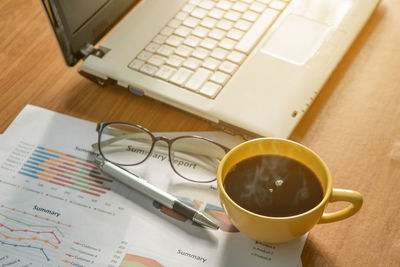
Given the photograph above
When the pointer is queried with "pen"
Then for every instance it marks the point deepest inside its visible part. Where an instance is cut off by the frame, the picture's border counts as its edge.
(153, 192)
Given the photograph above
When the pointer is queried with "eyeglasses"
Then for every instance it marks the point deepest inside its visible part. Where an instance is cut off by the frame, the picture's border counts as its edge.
(193, 158)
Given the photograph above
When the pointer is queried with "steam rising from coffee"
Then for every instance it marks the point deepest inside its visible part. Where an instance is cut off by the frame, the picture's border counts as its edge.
(273, 185)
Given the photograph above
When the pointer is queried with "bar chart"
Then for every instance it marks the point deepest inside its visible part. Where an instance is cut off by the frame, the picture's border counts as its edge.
(65, 170)
(62, 176)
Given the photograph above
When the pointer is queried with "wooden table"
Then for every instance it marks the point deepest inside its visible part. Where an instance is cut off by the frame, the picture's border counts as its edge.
(354, 124)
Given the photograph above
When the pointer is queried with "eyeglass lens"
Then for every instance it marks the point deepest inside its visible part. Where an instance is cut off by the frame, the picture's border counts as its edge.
(196, 159)
(192, 158)
(125, 144)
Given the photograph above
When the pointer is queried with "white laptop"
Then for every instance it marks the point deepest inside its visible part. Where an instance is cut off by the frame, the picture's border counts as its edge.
(251, 66)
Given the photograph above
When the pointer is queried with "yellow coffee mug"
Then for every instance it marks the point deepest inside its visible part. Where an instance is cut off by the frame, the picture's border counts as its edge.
(281, 229)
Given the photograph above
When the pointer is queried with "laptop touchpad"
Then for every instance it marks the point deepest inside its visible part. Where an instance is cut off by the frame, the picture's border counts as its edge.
(296, 40)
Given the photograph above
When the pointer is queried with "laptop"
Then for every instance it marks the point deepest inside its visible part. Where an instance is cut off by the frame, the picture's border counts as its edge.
(252, 67)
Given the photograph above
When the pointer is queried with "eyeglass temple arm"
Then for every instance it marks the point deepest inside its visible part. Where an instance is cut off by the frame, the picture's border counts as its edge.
(197, 150)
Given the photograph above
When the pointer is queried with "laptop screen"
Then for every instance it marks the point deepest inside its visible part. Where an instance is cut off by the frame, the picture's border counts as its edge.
(78, 23)
(79, 12)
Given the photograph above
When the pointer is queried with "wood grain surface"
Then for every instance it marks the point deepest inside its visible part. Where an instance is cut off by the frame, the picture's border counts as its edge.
(354, 123)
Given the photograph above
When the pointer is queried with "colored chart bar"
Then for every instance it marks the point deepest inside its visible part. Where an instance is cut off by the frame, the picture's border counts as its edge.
(65, 170)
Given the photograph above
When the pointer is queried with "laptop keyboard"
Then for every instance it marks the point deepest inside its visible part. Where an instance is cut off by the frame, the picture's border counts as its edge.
(206, 42)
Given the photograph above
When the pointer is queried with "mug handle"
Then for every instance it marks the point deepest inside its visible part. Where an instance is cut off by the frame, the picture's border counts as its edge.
(351, 196)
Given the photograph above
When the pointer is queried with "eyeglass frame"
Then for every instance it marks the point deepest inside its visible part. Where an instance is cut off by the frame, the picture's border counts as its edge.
(101, 125)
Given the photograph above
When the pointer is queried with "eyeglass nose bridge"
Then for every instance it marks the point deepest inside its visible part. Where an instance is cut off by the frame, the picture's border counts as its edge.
(168, 146)
(161, 138)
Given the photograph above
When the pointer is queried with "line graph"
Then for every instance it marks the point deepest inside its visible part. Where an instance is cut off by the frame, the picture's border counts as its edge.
(28, 225)
(33, 215)
(46, 241)
(26, 246)
(31, 235)
(38, 239)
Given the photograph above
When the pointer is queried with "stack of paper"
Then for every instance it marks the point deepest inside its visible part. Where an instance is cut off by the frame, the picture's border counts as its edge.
(58, 209)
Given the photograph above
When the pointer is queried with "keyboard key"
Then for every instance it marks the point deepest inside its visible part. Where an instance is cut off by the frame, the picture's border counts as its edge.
(192, 41)
(188, 8)
(207, 4)
(210, 89)
(257, 7)
(232, 15)
(224, 24)
(216, 13)
(211, 63)
(235, 34)
(183, 31)
(216, 34)
(192, 63)
(152, 47)
(219, 53)
(266, 1)
(209, 43)
(243, 25)
(191, 22)
(200, 32)
(174, 40)
(220, 77)
(198, 79)
(157, 60)
(144, 55)
(181, 76)
(250, 16)
(200, 53)
(167, 31)
(159, 39)
(175, 61)
(181, 15)
(165, 50)
(148, 69)
(257, 30)
(236, 57)
(199, 13)
(174, 23)
(224, 5)
(136, 64)
(165, 72)
(276, 4)
(228, 67)
(227, 43)
(208, 22)
(184, 50)
(239, 7)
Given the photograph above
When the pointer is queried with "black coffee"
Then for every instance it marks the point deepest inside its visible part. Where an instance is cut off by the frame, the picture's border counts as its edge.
(273, 185)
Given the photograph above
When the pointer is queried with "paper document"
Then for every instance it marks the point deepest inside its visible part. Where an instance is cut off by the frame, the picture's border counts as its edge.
(46, 225)
(46, 162)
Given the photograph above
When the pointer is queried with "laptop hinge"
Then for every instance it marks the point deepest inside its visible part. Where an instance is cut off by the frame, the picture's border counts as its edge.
(89, 49)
